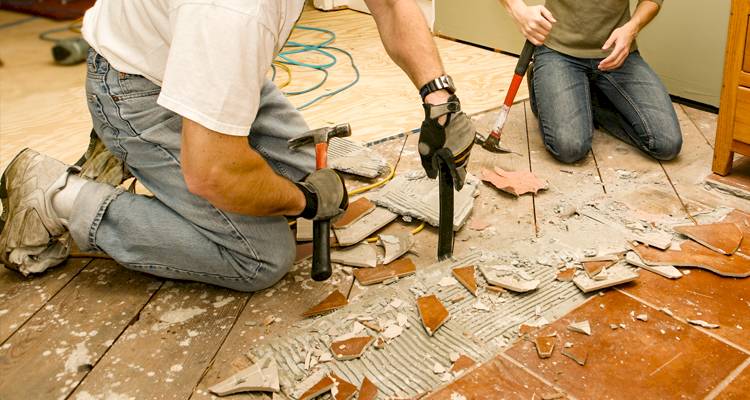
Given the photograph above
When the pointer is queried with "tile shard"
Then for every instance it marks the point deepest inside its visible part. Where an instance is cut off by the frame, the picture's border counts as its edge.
(695, 255)
(313, 386)
(364, 227)
(724, 237)
(415, 195)
(594, 268)
(262, 376)
(545, 345)
(433, 313)
(508, 278)
(354, 158)
(396, 245)
(667, 271)
(367, 390)
(516, 183)
(467, 277)
(333, 301)
(361, 255)
(566, 275)
(576, 354)
(350, 349)
(462, 363)
(703, 324)
(616, 275)
(341, 389)
(356, 210)
(580, 327)
(396, 269)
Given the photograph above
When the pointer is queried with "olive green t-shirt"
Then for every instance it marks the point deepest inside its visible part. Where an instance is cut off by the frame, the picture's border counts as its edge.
(583, 26)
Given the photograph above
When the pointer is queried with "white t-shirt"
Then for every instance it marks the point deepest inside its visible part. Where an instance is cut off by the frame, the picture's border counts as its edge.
(210, 57)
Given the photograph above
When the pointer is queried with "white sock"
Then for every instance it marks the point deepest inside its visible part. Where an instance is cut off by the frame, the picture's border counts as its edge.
(62, 201)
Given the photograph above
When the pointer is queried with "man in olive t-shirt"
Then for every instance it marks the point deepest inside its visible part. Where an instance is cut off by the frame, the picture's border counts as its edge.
(587, 71)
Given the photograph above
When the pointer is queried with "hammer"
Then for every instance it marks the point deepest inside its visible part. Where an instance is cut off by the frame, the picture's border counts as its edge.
(321, 262)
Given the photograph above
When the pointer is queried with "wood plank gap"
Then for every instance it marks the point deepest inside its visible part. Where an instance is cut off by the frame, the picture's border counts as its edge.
(528, 154)
(692, 121)
(104, 354)
(535, 375)
(682, 203)
(599, 172)
(727, 381)
(41, 307)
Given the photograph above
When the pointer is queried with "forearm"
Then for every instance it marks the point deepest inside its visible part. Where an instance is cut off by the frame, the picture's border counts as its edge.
(644, 13)
(407, 39)
(233, 177)
(512, 7)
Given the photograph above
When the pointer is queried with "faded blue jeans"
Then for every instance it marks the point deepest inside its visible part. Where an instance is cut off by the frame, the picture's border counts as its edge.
(176, 234)
(570, 95)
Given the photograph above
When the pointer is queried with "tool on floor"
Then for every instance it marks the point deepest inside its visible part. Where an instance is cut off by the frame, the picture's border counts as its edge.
(493, 141)
(321, 259)
(445, 221)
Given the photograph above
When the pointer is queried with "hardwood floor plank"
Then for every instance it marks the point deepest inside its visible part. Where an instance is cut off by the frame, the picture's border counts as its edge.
(705, 122)
(166, 351)
(54, 351)
(21, 297)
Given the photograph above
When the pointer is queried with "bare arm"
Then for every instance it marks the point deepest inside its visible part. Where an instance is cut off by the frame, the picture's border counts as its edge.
(408, 41)
(233, 177)
(535, 22)
(621, 38)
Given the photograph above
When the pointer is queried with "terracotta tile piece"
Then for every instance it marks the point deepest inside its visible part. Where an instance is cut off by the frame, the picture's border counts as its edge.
(495, 289)
(615, 275)
(702, 295)
(545, 345)
(724, 238)
(694, 255)
(462, 363)
(325, 384)
(341, 389)
(516, 183)
(350, 349)
(396, 245)
(664, 366)
(577, 354)
(593, 268)
(361, 255)
(262, 376)
(495, 379)
(356, 210)
(738, 388)
(742, 220)
(566, 275)
(368, 390)
(433, 313)
(396, 269)
(467, 277)
(333, 301)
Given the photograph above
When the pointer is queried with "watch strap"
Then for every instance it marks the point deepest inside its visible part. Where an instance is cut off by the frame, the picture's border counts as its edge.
(439, 83)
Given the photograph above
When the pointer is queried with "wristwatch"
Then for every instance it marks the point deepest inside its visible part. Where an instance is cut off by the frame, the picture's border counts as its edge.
(439, 83)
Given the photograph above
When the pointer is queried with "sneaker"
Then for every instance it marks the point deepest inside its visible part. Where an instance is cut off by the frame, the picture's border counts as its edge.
(32, 236)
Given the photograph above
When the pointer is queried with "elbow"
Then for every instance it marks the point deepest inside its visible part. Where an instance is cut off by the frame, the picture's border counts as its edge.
(202, 182)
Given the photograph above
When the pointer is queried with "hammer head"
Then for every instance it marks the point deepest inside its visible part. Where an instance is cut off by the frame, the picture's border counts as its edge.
(320, 135)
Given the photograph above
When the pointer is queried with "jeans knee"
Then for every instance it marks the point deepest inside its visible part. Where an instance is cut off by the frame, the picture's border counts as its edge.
(570, 150)
(668, 146)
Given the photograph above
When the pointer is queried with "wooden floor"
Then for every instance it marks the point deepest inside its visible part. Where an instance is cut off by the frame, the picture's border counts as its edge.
(91, 329)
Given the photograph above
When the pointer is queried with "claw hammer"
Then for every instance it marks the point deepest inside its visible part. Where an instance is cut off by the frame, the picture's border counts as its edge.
(321, 261)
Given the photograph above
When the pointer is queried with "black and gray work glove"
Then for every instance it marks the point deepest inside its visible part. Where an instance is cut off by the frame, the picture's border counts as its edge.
(450, 143)
(325, 195)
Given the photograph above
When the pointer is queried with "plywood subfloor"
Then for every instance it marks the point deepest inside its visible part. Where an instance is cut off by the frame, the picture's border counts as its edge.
(91, 329)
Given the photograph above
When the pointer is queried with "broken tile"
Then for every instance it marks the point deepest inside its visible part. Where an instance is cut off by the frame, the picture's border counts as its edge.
(304, 230)
(361, 255)
(367, 390)
(392, 331)
(742, 220)
(642, 317)
(724, 238)
(447, 281)
(566, 275)
(462, 363)
(616, 275)
(544, 346)
(656, 239)
(576, 353)
(594, 268)
(354, 212)
(396, 269)
(580, 327)
(703, 324)
(495, 289)
(415, 195)
(364, 227)
(354, 158)
(467, 277)
(432, 312)
(350, 349)
(478, 305)
(396, 245)
(508, 279)
(333, 301)
(666, 271)
(341, 389)
(516, 183)
(477, 224)
(314, 386)
(697, 256)
(372, 325)
(262, 376)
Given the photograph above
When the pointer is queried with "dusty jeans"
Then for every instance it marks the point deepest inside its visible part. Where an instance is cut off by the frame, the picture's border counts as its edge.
(570, 94)
(176, 234)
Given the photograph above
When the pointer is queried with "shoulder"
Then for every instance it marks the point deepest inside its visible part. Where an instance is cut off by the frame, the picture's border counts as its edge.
(266, 12)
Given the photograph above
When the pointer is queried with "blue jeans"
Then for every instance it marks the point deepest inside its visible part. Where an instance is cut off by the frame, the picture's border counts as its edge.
(569, 95)
(176, 234)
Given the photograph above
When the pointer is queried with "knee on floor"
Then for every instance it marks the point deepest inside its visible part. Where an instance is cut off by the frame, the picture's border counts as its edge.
(569, 151)
(667, 147)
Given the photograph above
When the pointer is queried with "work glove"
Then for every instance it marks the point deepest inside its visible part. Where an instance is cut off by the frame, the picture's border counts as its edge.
(448, 143)
(325, 195)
